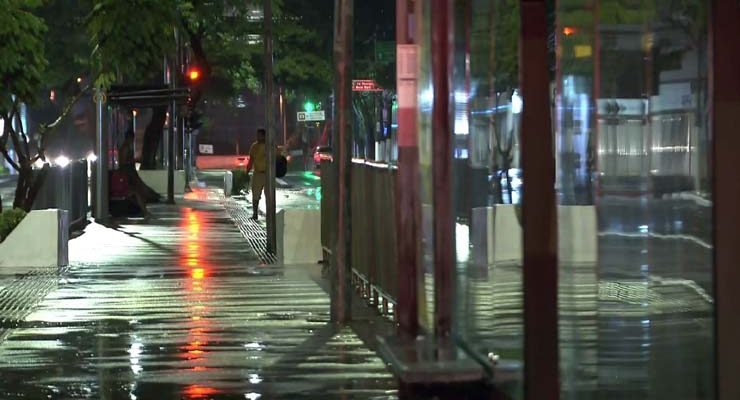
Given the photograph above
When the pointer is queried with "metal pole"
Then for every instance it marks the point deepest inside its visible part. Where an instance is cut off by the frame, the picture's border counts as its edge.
(442, 51)
(270, 128)
(341, 299)
(101, 169)
(724, 89)
(171, 142)
(408, 209)
(284, 119)
(165, 160)
(539, 218)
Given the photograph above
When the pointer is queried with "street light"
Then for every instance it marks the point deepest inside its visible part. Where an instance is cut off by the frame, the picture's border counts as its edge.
(61, 161)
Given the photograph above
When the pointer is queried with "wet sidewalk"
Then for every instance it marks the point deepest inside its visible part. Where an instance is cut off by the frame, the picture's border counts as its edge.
(181, 307)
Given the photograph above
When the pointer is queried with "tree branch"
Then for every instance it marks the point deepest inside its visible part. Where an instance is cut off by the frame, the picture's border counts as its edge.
(22, 134)
(16, 145)
(45, 129)
(66, 110)
(3, 145)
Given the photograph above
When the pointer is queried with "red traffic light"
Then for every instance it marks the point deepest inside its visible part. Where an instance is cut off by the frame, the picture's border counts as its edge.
(193, 74)
(569, 30)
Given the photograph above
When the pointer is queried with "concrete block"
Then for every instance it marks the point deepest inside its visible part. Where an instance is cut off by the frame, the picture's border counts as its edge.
(299, 236)
(577, 235)
(496, 235)
(39, 241)
(157, 180)
(228, 183)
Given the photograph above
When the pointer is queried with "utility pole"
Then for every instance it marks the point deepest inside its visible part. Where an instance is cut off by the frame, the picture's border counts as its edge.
(270, 128)
(171, 142)
(408, 207)
(174, 123)
(341, 300)
(101, 168)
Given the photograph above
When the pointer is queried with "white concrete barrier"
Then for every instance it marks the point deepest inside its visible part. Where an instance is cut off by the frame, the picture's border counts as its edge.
(577, 235)
(228, 183)
(299, 236)
(157, 180)
(496, 235)
(39, 241)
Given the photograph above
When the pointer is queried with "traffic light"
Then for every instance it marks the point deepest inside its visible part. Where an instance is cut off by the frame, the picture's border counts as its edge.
(308, 106)
(193, 75)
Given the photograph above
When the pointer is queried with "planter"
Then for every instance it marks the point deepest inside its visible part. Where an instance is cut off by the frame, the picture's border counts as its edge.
(157, 180)
(299, 236)
(39, 241)
(496, 235)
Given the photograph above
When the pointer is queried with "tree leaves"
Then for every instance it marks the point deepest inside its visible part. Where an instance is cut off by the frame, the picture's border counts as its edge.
(130, 38)
(22, 64)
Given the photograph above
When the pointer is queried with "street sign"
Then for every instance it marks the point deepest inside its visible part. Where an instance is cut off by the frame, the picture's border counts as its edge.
(365, 85)
(205, 148)
(304, 116)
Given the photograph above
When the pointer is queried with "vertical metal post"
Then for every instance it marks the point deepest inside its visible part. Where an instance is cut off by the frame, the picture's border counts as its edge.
(174, 159)
(442, 54)
(172, 134)
(283, 118)
(341, 299)
(724, 89)
(165, 160)
(539, 218)
(101, 169)
(270, 128)
(408, 209)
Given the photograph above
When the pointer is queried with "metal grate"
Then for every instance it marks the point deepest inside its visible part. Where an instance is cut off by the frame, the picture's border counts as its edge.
(21, 296)
(253, 231)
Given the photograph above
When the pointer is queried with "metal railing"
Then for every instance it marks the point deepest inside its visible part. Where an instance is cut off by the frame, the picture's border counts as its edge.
(66, 188)
(374, 247)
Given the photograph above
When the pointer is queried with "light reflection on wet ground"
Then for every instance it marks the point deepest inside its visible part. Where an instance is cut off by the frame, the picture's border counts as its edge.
(636, 325)
(178, 308)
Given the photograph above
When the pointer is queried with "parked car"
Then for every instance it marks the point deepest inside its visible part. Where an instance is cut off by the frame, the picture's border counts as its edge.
(322, 153)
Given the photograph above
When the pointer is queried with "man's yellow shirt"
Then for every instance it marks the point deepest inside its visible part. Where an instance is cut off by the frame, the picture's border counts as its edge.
(258, 156)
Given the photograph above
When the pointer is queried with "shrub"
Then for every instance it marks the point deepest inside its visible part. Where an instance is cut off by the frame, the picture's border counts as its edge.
(9, 219)
(240, 179)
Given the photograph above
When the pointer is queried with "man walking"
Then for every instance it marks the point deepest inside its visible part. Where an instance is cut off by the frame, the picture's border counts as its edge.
(258, 161)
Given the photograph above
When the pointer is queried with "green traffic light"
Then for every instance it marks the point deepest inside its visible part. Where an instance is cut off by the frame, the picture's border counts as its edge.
(308, 106)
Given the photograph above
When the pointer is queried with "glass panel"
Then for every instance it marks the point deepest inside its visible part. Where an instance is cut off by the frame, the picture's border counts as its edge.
(486, 187)
(636, 307)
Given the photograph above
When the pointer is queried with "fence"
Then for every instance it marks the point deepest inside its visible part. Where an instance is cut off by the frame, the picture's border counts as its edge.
(66, 188)
(374, 246)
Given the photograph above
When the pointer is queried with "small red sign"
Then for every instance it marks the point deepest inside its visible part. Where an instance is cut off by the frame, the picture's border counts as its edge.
(365, 85)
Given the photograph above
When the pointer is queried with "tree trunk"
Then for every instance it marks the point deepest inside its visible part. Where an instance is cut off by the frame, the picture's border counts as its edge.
(28, 186)
(152, 137)
(21, 188)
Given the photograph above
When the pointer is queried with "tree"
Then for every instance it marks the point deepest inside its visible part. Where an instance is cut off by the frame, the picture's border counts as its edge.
(23, 73)
(126, 38)
(124, 42)
(225, 40)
